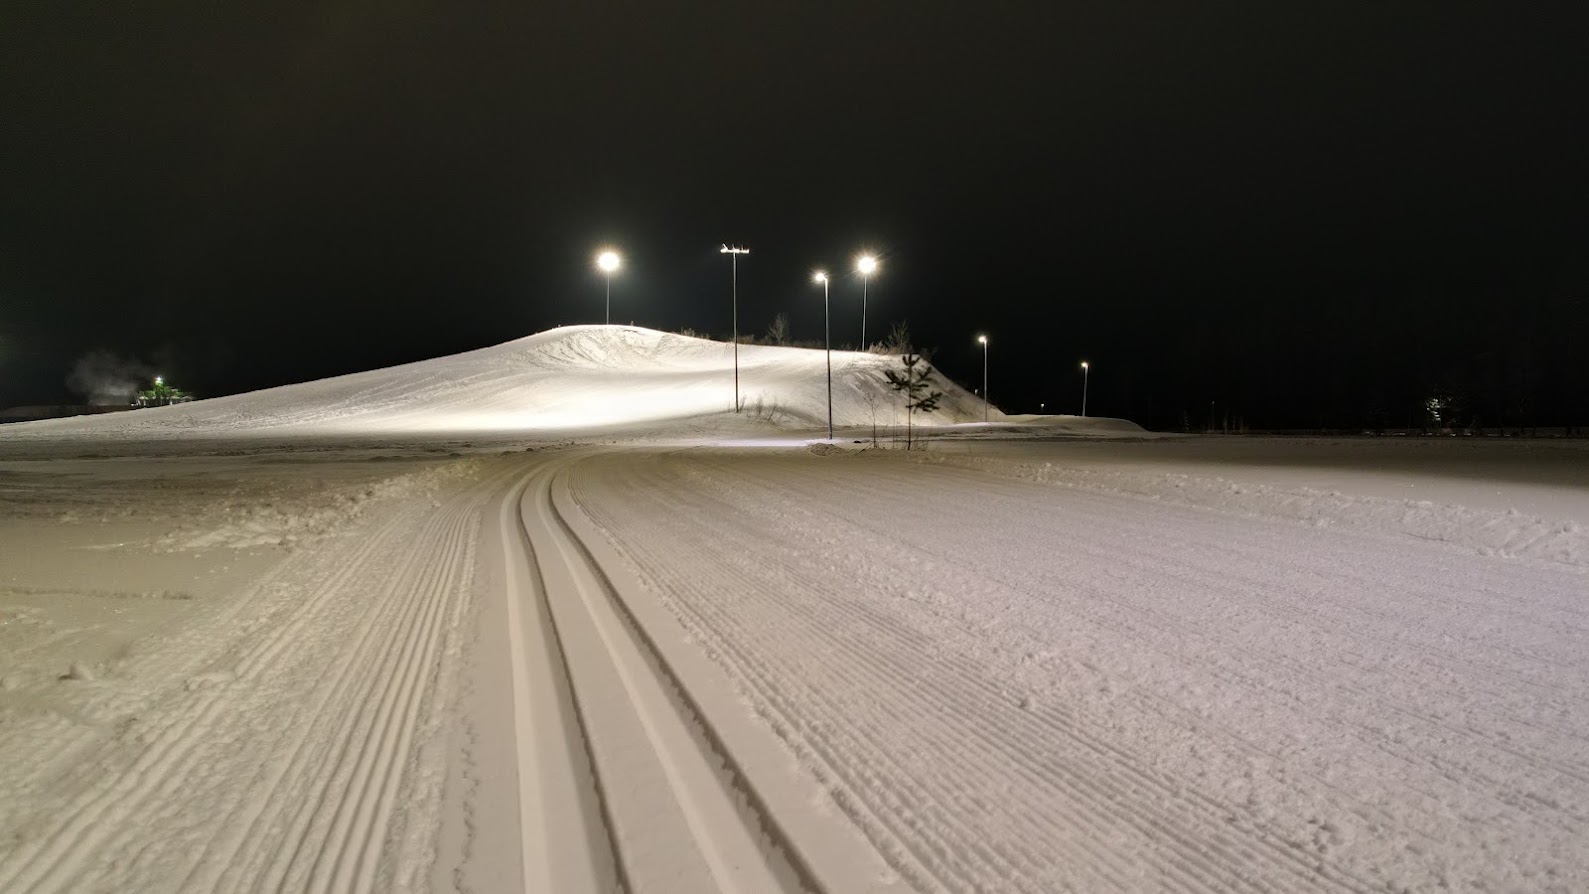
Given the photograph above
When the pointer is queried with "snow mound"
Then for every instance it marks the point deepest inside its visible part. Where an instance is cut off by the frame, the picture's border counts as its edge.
(555, 382)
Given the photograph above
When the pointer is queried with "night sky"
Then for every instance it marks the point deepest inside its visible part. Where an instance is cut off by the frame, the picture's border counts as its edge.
(1311, 214)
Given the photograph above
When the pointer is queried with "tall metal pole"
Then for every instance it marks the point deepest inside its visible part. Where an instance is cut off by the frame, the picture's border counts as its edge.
(865, 265)
(985, 402)
(865, 280)
(608, 261)
(735, 253)
(735, 264)
(827, 336)
(1086, 371)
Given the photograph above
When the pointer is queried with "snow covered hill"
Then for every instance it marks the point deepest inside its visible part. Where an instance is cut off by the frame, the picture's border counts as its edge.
(575, 377)
(374, 651)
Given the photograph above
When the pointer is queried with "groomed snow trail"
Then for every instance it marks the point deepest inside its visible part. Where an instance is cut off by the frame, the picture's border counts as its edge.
(326, 744)
(306, 758)
(1023, 687)
(636, 770)
(659, 669)
(675, 669)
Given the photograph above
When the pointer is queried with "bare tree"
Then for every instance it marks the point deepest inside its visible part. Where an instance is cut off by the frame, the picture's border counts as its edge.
(898, 340)
(778, 332)
(870, 396)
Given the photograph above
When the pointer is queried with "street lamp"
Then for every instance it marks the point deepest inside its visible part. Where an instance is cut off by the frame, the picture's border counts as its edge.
(734, 253)
(866, 265)
(608, 261)
(1085, 369)
(827, 336)
(984, 340)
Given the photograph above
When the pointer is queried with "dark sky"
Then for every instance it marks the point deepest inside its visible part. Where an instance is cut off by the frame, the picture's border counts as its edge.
(1309, 213)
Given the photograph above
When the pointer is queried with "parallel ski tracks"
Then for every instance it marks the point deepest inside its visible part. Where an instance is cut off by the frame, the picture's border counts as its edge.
(659, 803)
(632, 775)
(1107, 783)
(875, 746)
(316, 812)
(1348, 627)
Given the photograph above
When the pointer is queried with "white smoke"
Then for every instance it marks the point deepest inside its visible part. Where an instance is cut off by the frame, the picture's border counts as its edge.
(101, 377)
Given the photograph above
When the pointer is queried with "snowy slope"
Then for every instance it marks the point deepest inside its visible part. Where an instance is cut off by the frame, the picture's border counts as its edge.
(1044, 664)
(700, 654)
(575, 377)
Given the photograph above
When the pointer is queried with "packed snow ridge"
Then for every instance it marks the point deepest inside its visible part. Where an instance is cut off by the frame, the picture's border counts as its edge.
(574, 377)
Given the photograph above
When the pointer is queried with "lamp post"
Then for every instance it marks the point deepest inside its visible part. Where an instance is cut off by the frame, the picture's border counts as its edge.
(827, 336)
(608, 261)
(866, 265)
(734, 253)
(984, 340)
(1085, 370)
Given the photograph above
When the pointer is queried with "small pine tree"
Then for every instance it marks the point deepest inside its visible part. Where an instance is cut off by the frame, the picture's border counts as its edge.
(915, 383)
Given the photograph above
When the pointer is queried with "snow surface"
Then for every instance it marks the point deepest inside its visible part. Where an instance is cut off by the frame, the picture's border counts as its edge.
(546, 616)
(572, 379)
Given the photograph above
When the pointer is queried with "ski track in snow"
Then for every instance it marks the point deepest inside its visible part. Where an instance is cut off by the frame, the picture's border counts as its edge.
(626, 780)
(300, 742)
(1065, 690)
(760, 670)
(679, 669)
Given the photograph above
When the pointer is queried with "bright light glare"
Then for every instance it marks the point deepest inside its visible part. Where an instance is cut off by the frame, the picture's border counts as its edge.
(866, 264)
(819, 276)
(607, 261)
(1084, 364)
(982, 339)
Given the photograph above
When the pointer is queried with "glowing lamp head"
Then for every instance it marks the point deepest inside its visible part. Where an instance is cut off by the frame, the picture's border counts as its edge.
(1084, 364)
(608, 261)
(819, 276)
(982, 339)
(159, 380)
(866, 264)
